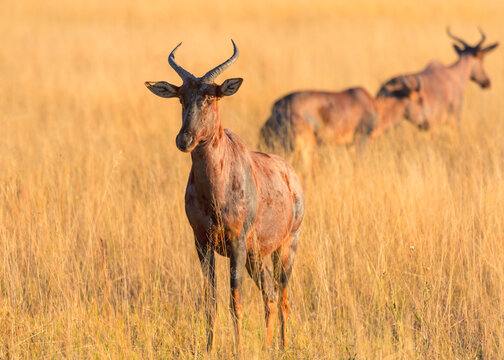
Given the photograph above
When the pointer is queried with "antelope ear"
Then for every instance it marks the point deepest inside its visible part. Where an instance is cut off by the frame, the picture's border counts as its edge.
(457, 49)
(162, 88)
(229, 87)
(490, 47)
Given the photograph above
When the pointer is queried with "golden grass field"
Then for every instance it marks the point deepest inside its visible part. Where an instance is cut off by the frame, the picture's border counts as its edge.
(401, 254)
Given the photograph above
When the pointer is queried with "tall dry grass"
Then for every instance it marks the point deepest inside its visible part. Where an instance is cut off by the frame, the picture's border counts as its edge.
(401, 251)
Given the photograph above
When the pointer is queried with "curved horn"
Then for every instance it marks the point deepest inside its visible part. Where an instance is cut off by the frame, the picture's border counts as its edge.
(456, 38)
(483, 37)
(212, 74)
(184, 74)
(406, 82)
(419, 82)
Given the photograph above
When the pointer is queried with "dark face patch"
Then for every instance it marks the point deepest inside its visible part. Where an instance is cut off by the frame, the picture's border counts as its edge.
(478, 74)
(198, 113)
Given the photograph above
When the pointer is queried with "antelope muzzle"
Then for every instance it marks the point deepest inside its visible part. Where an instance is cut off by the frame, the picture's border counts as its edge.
(185, 141)
(485, 84)
(424, 126)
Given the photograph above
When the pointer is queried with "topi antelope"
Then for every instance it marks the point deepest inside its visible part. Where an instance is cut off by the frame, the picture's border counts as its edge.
(241, 204)
(443, 86)
(407, 103)
(300, 121)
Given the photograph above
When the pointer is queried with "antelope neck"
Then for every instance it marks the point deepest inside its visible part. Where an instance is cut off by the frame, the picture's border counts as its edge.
(462, 69)
(208, 155)
(389, 111)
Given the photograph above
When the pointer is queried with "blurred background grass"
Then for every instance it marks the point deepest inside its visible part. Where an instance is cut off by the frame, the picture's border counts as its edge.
(401, 251)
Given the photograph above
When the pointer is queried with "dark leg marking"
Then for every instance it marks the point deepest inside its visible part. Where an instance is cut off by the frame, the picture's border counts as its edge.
(206, 256)
(237, 262)
(264, 280)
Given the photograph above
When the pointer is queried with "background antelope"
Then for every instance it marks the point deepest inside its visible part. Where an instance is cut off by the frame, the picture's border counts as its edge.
(404, 103)
(302, 120)
(443, 86)
(241, 204)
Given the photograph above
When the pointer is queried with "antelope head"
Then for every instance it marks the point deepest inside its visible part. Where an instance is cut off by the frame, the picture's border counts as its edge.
(406, 89)
(414, 110)
(476, 55)
(198, 97)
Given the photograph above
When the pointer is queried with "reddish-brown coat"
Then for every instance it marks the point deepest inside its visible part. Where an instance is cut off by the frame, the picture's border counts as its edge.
(218, 194)
(443, 86)
(302, 120)
(241, 204)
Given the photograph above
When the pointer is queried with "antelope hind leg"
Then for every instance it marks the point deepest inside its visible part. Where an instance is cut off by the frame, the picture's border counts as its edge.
(283, 260)
(263, 278)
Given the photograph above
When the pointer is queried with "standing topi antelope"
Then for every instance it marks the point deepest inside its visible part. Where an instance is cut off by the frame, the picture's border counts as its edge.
(302, 120)
(241, 204)
(443, 86)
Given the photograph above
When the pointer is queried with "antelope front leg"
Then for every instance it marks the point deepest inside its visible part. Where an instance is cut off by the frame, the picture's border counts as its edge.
(237, 261)
(261, 275)
(207, 259)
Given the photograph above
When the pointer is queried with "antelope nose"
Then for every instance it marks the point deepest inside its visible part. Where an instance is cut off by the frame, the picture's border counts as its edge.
(424, 125)
(184, 141)
(485, 84)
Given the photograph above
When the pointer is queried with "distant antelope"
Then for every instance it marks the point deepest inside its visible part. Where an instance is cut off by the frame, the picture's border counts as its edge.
(405, 103)
(241, 204)
(443, 86)
(300, 121)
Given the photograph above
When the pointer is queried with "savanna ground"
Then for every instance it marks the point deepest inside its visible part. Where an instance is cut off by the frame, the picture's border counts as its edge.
(401, 251)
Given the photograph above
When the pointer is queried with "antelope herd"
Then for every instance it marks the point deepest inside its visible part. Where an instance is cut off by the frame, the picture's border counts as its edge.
(302, 120)
(247, 205)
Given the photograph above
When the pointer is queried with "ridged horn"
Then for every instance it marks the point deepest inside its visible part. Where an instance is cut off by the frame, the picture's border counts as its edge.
(419, 82)
(212, 74)
(483, 37)
(406, 82)
(456, 38)
(184, 74)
